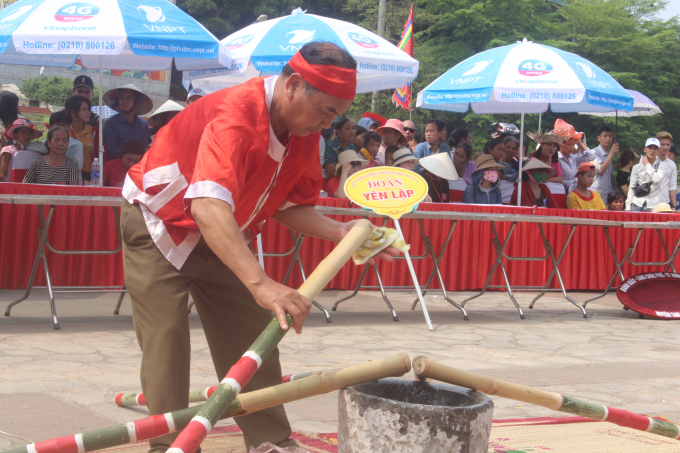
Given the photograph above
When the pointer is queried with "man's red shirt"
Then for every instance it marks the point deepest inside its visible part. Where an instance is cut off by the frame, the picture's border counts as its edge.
(222, 146)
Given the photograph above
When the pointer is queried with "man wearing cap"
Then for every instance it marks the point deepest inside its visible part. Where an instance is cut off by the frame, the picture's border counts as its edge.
(245, 154)
(194, 95)
(392, 134)
(581, 197)
(649, 180)
(83, 86)
(130, 102)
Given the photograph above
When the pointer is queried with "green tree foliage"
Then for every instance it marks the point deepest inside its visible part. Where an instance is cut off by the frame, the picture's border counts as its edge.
(624, 37)
(53, 90)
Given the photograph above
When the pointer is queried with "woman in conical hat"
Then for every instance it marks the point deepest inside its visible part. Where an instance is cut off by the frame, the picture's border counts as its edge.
(534, 191)
(438, 170)
(547, 151)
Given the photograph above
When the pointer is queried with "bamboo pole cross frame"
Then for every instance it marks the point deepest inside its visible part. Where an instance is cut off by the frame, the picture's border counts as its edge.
(200, 395)
(425, 368)
(189, 440)
(246, 403)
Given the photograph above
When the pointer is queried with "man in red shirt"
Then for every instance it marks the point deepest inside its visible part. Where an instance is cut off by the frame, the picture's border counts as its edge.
(241, 156)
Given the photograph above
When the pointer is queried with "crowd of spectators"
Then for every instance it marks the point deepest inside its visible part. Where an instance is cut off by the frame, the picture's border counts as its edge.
(65, 152)
(643, 182)
(561, 157)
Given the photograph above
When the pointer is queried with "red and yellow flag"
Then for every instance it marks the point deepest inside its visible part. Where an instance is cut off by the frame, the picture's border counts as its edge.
(402, 96)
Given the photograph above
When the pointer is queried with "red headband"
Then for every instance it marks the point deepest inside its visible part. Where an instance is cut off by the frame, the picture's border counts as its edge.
(332, 80)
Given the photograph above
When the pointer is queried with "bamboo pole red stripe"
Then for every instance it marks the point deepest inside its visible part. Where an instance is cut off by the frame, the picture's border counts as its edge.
(425, 368)
(198, 395)
(244, 404)
(189, 440)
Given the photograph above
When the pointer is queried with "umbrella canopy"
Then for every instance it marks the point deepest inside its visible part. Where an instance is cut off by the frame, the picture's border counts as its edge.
(523, 77)
(129, 34)
(642, 106)
(144, 35)
(264, 49)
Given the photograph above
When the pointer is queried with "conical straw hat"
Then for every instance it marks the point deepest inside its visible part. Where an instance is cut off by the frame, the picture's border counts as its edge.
(441, 165)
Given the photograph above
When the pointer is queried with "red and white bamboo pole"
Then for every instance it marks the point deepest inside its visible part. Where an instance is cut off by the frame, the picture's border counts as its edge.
(189, 440)
(200, 395)
(425, 368)
(245, 403)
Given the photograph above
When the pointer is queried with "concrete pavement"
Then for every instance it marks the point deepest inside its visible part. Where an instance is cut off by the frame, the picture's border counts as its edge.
(56, 383)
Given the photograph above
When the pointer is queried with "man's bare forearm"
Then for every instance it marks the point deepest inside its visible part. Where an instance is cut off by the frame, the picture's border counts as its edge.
(222, 234)
(308, 221)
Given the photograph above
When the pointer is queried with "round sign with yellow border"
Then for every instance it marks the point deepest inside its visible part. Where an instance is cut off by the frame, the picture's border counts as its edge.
(390, 191)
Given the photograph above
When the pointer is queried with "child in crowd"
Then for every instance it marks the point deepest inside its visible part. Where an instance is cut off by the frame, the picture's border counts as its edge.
(403, 158)
(349, 163)
(389, 153)
(371, 146)
(581, 197)
(359, 137)
(616, 201)
(22, 131)
(116, 170)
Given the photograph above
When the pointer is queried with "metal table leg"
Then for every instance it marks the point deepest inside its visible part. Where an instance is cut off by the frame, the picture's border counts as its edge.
(668, 263)
(40, 254)
(120, 301)
(44, 243)
(665, 249)
(618, 271)
(356, 289)
(500, 254)
(384, 294)
(296, 258)
(556, 270)
(436, 260)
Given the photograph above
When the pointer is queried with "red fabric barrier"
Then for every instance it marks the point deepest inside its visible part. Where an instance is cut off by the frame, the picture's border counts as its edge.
(587, 264)
(73, 228)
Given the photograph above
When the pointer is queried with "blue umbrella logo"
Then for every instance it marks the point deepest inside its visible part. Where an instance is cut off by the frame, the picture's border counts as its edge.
(239, 42)
(363, 41)
(300, 36)
(533, 68)
(76, 12)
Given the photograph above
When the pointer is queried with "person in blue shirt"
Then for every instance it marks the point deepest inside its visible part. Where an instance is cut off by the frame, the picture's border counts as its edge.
(432, 144)
(130, 102)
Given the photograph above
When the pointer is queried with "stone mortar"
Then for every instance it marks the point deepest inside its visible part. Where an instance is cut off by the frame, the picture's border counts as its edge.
(392, 415)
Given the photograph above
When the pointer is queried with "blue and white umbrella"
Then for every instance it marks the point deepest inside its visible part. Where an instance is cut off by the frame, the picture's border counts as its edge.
(525, 77)
(143, 35)
(264, 49)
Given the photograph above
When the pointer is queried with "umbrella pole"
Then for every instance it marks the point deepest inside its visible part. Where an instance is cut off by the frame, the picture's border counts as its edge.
(539, 120)
(616, 126)
(521, 157)
(101, 124)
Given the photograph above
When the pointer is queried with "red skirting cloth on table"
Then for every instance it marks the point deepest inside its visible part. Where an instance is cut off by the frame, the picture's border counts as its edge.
(587, 264)
(72, 228)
